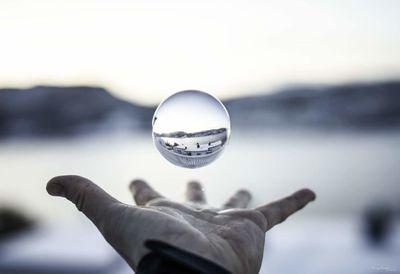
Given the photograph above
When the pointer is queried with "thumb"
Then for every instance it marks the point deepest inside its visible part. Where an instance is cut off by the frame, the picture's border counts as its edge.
(93, 201)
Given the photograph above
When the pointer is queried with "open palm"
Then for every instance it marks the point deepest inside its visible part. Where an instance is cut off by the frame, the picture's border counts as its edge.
(231, 237)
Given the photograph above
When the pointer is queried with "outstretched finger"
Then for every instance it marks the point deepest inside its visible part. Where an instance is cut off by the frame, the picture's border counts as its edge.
(241, 199)
(195, 193)
(278, 211)
(142, 192)
(89, 198)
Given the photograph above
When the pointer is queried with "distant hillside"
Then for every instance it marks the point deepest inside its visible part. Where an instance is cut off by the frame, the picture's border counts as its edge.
(355, 106)
(60, 111)
(64, 111)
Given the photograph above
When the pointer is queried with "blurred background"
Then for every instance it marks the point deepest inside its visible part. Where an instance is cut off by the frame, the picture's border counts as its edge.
(312, 88)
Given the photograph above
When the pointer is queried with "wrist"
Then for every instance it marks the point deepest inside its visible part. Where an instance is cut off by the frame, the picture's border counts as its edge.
(165, 258)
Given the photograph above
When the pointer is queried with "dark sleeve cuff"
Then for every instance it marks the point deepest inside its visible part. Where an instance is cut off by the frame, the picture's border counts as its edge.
(167, 259)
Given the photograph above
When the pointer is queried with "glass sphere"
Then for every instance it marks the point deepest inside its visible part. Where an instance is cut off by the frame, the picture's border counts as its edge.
(191, 128)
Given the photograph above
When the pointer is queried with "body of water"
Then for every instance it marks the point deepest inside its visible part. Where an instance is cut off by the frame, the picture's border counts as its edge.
(348, 171)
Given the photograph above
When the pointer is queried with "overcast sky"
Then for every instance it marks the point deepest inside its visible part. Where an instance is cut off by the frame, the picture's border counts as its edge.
(146, 50)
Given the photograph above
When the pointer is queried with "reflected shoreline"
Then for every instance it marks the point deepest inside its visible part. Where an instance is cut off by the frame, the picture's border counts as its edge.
(191, 149)
(193, 144)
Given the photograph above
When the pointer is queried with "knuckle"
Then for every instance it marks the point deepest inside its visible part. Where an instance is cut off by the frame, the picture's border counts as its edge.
(79, 201)
(282, 216)
(81, 195)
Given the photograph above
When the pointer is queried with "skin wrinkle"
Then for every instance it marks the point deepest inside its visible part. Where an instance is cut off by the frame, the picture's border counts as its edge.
(226, 249)
(236, 253)
(81, 197)
(253, 215)
(240, 240)
(232, 239)
(110, 226)
(78, 200)
(282, 217)
(206, 219)
(121, 249)
(220, 226)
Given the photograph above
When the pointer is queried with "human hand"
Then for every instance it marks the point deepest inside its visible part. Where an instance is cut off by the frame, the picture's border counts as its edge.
(231, 237)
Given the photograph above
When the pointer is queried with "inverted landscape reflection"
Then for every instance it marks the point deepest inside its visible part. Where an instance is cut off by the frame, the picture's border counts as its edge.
(191, 128)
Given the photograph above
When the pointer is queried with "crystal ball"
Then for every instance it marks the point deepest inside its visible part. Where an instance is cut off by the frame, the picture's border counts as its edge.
(191, 128)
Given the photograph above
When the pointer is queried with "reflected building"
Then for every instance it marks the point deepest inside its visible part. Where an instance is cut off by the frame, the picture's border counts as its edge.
(194, 149)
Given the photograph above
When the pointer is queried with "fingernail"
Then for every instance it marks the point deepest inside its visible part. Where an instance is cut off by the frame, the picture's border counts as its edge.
(55, 189)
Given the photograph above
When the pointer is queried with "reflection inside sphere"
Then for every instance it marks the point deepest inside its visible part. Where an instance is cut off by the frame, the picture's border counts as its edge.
(191, 128)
